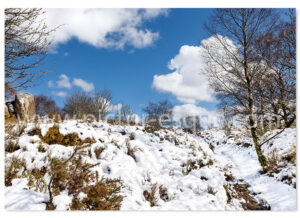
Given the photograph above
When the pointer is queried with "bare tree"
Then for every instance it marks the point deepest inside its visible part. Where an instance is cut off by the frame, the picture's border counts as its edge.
(158, 113)
(233, 67)
(125, 114)
(26, 46)
(78, 104)
(278, 50)
(102, 103)
(226, 120)
(45, 105)
(191, 124)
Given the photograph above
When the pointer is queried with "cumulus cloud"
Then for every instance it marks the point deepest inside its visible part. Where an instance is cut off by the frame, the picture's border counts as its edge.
(64, 82)
(60, 94)
(187, 81)
(184, 110)
(84, 85)
(206, 116)
(103, 28)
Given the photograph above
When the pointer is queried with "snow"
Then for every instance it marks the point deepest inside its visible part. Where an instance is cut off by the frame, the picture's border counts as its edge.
(243, 162)
(18, 197)
(159, 159)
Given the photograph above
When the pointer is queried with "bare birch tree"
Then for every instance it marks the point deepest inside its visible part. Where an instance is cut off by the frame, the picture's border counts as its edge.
(233, 68)
(278, 49)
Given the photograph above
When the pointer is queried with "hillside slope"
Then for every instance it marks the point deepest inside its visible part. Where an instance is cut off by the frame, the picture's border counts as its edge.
(163, 170)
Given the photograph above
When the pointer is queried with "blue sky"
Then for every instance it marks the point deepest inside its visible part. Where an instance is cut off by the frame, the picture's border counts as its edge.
(128, 72)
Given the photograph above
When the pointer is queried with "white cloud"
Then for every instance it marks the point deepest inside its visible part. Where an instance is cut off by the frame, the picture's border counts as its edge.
(60, 94)
(84, 85)
(103, 28)
(206, 116)
(64, 82)
(188, 82)
(50, 84)
(136, 118)
(116, 107)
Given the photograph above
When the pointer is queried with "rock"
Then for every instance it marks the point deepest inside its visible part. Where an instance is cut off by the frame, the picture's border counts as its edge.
(247, 145)
(7, 115)
(24, 105)
(10, 107)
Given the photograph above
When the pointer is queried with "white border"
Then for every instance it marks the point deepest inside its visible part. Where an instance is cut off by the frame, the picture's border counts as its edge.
(127, 4)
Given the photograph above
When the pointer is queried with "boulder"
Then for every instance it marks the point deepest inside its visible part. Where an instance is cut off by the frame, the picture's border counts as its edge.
(24, 105)
(6, 111)
(11, 108)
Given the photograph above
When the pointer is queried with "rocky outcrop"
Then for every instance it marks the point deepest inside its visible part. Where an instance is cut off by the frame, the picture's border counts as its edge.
(7, 115)
(24, 105)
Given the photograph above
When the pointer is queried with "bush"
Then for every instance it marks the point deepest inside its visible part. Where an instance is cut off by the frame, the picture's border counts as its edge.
(35, 131)
(291, 157)
(41, 148)
(53, 136)
(163, 193)
(71, 139)
(132, 136)
(131, 150)
(273, 163)
(12, 171)
(98, 152)
(58, 173)
(104, 195)
(189, 166)
(210, 190)
(76, 176)
(152, 127)
(11, 146)
(194, 165)
(36, 179)
(151, 196)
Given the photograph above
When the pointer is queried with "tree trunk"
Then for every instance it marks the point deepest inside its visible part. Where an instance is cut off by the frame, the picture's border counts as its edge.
(261, 158)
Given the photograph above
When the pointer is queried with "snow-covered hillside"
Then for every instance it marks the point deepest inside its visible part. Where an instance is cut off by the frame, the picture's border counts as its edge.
(163, 170)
